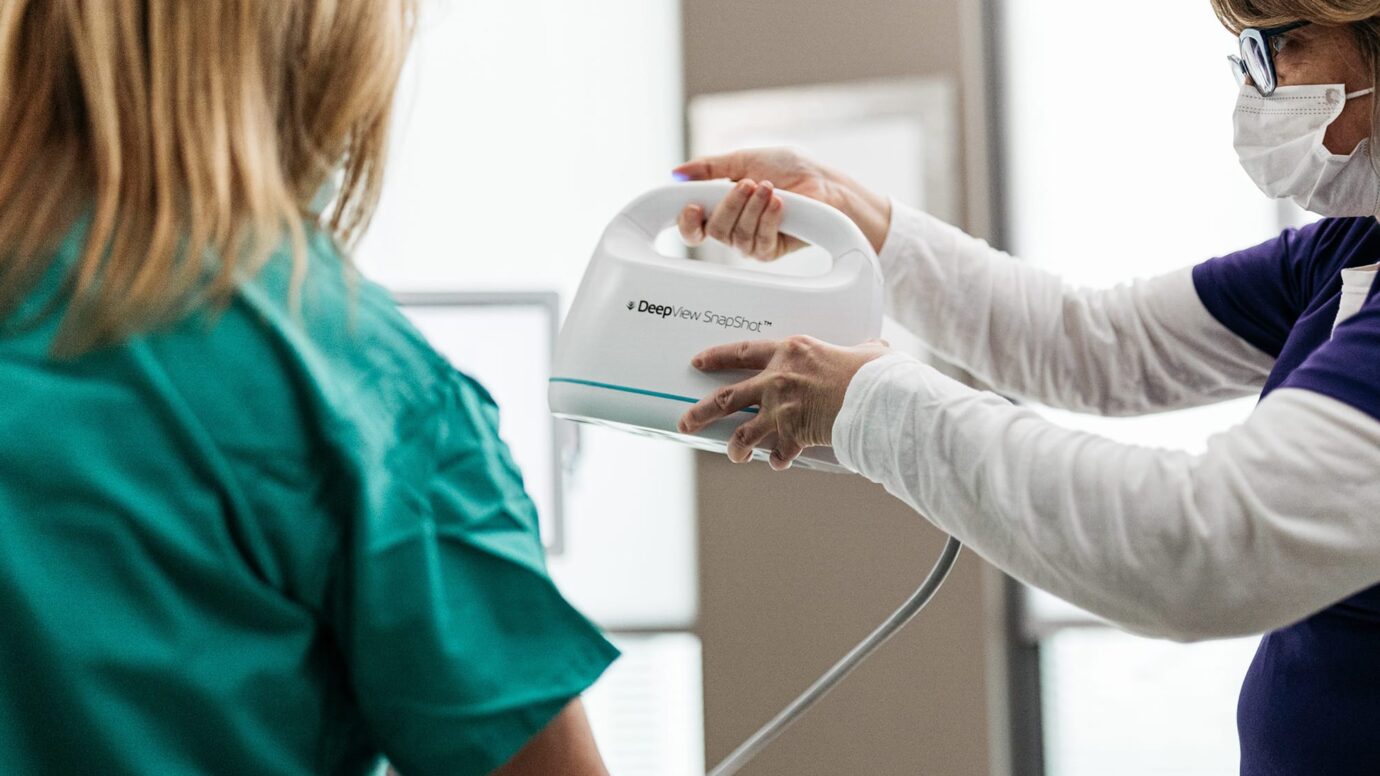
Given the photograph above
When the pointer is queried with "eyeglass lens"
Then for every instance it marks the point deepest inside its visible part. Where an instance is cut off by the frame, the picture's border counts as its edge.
(1257, 63)
(1238, 70)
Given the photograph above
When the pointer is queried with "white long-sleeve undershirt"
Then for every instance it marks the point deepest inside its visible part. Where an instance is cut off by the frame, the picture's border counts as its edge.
(1274, 522)
(1145, 346)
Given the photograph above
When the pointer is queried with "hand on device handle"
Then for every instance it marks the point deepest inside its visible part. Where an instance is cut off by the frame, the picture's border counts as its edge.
(749, 218)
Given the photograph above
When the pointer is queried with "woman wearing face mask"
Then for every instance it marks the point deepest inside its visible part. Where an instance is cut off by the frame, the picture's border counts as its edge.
(1275, 529)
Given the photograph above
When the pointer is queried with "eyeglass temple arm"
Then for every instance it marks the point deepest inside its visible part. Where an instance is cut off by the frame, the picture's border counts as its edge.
(1280, 30)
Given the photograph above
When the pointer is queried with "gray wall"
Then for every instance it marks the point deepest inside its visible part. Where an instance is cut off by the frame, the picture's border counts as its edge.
(796, 567)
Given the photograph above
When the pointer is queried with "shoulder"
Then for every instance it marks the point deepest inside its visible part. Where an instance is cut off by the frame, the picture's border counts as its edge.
(1259, 292)
(343, 335)
(1298, 255)
(311, 363)
(1316, 254)
(305, 409)
(1328, 246)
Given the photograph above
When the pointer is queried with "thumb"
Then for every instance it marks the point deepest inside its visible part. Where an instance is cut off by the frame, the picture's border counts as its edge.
(732, 166)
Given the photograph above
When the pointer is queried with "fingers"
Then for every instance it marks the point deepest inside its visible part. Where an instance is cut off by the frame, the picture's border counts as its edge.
(732, 166)
(721, 404)
(754, 354)
(787, 450)
(745, 231)
(776, 424)
(761, 430)
(691, 224)
(725, 216)
(693, 170)
(748, 219)
(766, 245)
(748, 437)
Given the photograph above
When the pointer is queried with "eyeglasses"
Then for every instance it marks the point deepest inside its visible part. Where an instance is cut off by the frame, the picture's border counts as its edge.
(1257, 60)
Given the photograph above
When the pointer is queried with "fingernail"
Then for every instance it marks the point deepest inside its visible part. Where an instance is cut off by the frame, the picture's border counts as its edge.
(697, 362)
(679, 176)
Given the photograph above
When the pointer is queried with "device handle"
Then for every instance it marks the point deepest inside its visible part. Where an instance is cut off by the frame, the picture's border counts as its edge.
(807, 219)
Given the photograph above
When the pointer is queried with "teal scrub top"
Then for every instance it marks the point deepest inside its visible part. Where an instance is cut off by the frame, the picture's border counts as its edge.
(272, 542)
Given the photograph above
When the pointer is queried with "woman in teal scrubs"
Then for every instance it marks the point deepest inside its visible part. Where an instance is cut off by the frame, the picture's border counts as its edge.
(252, 523)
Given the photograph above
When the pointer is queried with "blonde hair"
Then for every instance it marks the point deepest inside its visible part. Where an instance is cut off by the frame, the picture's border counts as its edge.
(1240, 14)
(193, 134)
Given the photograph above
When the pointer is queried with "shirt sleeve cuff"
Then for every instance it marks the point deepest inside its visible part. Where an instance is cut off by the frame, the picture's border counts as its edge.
(868, 426)
(846, 435)
(910, 228)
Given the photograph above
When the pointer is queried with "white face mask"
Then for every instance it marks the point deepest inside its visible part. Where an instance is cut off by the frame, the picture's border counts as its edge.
(1279, 140)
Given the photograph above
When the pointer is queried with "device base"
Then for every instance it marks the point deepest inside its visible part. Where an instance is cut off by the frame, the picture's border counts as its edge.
(655, 414)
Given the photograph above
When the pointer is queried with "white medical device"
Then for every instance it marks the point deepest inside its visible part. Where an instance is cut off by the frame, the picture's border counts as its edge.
(623, 356)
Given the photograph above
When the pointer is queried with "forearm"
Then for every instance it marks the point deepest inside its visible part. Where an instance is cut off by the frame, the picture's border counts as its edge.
(1149, 345)
(1271, 524)
(566, 746)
